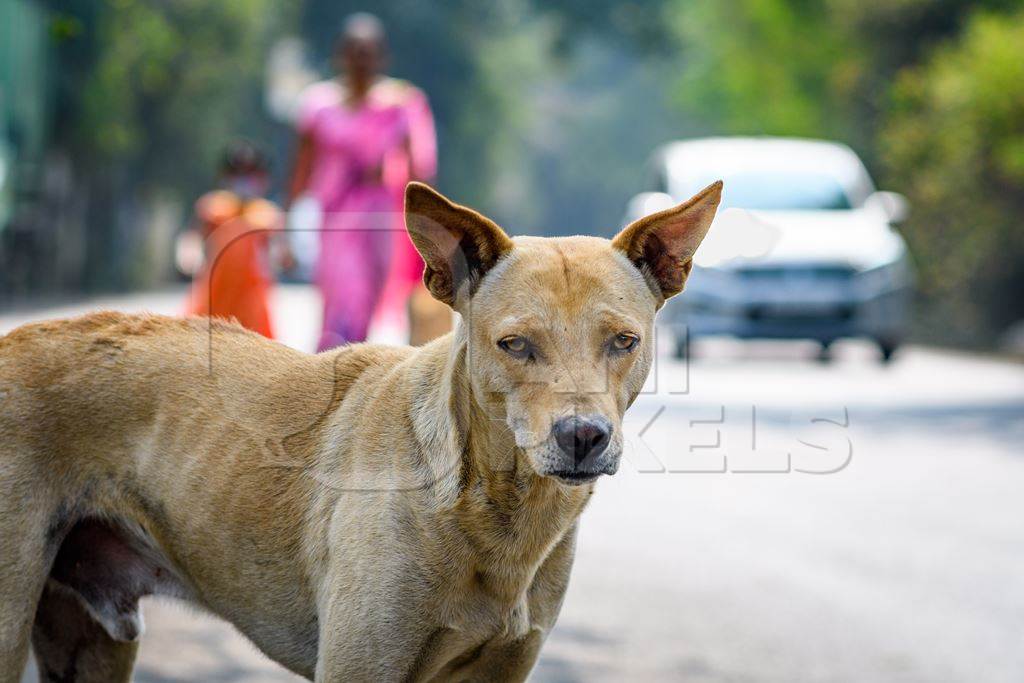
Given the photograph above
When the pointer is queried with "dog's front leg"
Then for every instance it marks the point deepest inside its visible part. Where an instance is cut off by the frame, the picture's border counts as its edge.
(382, 643)
(372, 625)
(506, 660)
(513, 659)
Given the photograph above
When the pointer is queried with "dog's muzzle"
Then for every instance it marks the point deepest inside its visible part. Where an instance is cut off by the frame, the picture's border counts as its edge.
(582, 440)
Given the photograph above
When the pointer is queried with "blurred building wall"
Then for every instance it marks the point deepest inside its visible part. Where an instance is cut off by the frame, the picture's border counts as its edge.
(41, 213)
(25, 100)
(24, 87)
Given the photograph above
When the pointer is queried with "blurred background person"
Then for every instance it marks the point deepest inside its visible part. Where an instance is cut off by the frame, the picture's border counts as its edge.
(362, 137)
(233, 228)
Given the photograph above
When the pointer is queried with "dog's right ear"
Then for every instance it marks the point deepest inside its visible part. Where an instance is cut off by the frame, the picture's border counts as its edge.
(457, 244)
(662, 245)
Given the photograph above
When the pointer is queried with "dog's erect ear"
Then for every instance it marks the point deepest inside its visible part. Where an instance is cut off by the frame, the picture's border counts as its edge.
(662, 245)
(457, 244)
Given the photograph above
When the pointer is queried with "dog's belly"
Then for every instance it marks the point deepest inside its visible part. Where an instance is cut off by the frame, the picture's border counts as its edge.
(110, 565)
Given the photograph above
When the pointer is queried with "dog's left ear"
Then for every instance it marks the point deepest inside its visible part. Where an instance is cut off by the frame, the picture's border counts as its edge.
(457, 244)
(662, 245)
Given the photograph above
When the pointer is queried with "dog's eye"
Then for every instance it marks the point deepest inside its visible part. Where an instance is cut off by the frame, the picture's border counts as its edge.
(625, 341)
(516, 346)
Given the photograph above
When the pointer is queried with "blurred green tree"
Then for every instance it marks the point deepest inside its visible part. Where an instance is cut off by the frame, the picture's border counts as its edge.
(776, 67)
(149, 92)
(955, 142)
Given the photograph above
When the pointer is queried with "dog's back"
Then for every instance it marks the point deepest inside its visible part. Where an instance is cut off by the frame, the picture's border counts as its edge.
(83, 390)
(88, 379)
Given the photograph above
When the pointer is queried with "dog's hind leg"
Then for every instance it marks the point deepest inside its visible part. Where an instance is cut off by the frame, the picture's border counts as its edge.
(70, 645)
(20, 584)
(26, 549)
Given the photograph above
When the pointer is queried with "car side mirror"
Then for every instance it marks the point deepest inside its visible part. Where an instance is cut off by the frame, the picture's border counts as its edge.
(646, 203)
(892, 205)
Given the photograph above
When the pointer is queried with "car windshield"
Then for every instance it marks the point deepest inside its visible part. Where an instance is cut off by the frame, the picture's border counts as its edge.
(783, 190)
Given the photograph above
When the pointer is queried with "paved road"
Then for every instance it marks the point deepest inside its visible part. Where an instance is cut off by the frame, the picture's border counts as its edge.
(906, 564)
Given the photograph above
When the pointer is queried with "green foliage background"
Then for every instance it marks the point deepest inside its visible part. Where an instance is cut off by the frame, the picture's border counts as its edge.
(547, 110)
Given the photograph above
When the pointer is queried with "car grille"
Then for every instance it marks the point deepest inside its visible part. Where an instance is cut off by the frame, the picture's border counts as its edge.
(838, 313)
(799, 292)
(806, 274)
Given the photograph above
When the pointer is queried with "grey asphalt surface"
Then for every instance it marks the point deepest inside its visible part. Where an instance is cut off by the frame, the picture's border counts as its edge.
(906, 564)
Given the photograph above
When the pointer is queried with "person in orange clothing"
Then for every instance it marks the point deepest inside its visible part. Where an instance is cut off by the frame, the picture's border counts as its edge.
(235, 224)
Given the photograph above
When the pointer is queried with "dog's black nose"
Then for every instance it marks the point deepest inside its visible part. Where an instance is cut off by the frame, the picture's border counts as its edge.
(582, 437)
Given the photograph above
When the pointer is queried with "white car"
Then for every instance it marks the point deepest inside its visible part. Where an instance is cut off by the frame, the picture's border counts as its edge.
(803, 246)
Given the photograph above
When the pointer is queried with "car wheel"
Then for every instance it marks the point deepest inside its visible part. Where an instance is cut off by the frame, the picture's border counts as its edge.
(682, 348)
(825, 352)
(887, 350)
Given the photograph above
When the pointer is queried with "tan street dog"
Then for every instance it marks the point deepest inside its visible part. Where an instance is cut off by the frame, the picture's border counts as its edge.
(365, 514)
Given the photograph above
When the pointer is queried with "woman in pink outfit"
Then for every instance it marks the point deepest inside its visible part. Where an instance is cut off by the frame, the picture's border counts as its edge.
(363, 136)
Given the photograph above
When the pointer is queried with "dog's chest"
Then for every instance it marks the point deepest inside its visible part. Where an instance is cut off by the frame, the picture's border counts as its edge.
(477, 625)
(487, 609)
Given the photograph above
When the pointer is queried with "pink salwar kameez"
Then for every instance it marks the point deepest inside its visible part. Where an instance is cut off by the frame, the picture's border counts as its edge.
(363, 156)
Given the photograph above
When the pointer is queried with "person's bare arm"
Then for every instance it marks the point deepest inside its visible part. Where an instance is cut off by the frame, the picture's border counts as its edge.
(421, 140)
(302, 168)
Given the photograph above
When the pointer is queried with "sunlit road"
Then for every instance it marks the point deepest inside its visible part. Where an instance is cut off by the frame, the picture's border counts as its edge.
(906, 564)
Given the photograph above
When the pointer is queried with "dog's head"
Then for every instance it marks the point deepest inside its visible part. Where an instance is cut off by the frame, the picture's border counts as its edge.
(559, 331)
